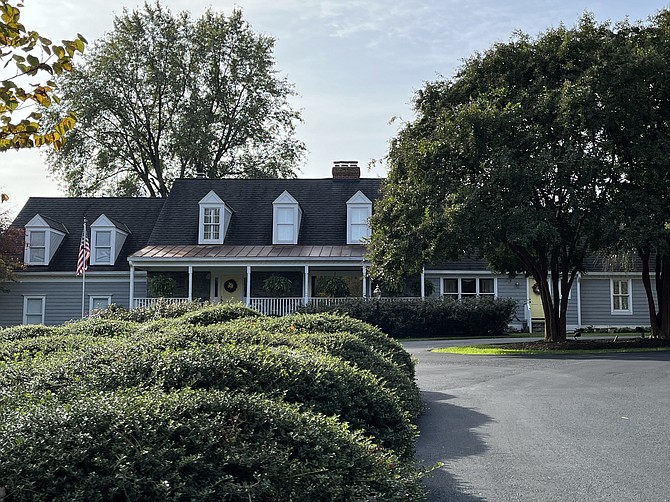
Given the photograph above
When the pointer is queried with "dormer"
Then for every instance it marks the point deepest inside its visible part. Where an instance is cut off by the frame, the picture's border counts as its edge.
(107, 239)
(43, 237)
(214, 219)
(359, 211)
(286, 219)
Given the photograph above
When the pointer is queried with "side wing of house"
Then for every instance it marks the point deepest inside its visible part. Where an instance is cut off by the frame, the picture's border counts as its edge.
(47, 289)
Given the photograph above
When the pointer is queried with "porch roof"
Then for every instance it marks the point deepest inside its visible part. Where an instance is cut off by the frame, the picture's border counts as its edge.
(248, 253)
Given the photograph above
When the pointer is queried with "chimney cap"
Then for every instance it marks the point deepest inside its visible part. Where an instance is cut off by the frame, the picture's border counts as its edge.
(346, 170)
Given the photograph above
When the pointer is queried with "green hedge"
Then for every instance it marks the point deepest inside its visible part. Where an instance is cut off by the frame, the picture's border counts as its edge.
(430, 318)
(334, 323)
(191, 445)
(323, 383)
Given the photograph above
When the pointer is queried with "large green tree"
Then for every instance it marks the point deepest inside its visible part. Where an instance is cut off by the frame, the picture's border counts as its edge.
(501, 163)
(633, 92)
(164, 96)
(28, 63)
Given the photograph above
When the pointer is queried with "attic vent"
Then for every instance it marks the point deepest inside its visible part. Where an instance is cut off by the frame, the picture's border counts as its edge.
(346, 170)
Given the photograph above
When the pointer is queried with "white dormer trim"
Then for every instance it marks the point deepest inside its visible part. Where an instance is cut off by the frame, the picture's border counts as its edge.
(42, 241)
(286, 219)
(106, 241)
(213, 220)
(359, 211)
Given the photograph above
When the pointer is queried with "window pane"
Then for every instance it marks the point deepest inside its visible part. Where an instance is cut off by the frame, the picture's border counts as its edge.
(485, 286)
(37, 239)
(451, 286)
(285, 215)
(103, 255)
(34, 306)
(359, 215)
(212, 215)
(100, 303)
(285, 233)
(211, 232)
(359, 232)
(34, 319)
(468, 286)
(103, 238)
(623, 287)
(624, 303)
(37, 255)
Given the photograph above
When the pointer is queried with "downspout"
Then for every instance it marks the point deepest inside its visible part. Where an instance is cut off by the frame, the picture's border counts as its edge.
(131, 295)
(190, 283)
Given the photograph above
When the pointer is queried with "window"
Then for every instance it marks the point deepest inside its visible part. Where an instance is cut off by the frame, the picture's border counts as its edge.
(621, 296)
(43, 238)
(37, 247)
(286, 216)
(107, 239)
(33, 309)
(285, 224)
(212, 223)
(99, 303)
(214, 219)
(103, 247)
(359, 210)
(471, 287)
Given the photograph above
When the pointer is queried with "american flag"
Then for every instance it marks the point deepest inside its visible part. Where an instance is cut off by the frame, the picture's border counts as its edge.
(84, 253)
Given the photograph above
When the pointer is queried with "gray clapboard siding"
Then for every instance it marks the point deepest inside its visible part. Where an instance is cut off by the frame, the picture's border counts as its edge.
(63, 298)
(597, 304)
(507, 288)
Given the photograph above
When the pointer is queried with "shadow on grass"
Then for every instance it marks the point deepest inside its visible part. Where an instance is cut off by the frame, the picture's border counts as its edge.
(448, 432)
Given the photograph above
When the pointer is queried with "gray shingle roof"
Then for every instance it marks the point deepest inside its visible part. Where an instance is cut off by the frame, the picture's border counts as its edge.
(137, 214)
(323, 202)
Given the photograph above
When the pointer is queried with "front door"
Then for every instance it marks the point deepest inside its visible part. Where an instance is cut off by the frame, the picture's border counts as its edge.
(227, 287)
(536, 309)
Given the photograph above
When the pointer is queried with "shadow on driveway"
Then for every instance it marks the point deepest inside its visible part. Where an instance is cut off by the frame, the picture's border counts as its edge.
(448, 432)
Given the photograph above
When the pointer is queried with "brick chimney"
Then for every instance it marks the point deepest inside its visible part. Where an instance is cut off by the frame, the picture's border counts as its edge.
(346, 170)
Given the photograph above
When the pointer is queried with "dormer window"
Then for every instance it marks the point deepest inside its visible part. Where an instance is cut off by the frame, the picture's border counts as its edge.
(286, 216)
(43, 237)
(359, 211)
(107, 239)
(214, 219)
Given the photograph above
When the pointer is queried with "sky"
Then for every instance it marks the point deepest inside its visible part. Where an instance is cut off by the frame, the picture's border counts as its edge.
(355, 64)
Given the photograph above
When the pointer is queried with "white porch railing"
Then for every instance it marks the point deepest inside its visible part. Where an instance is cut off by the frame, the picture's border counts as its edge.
(148, 302)
(279, 306)
(276, 306)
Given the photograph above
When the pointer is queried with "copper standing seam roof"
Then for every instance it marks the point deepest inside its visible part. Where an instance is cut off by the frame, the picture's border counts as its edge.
(224, 251)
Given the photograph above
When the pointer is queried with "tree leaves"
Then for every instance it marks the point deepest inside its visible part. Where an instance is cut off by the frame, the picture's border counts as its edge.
(163, 96)
(19, 43)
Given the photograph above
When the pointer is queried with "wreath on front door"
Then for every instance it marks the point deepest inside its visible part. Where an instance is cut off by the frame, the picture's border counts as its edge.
(230, 285)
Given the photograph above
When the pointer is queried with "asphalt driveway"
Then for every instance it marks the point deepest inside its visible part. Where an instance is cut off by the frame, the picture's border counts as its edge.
(563, 428)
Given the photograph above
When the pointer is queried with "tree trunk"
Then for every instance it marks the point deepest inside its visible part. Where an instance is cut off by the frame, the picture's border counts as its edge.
(659, 310)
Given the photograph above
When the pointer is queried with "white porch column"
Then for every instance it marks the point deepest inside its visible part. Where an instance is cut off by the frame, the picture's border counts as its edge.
(248, 301)
(190, 283)
(365, 280)
(579, 300)
(305, 286)
(131, 295)
(423, 284)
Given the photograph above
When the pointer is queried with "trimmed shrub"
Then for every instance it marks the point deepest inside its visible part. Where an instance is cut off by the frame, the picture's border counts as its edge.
(334, 323)
(346, 346)
(29, 348)
(323, 383)
(94, 326)
(218, 313)
(429, 318)
(162, 309)
(27, 331)
(191, 445)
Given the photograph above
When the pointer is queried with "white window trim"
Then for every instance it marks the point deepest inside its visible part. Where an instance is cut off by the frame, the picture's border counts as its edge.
(213, 201)
(358, 201)
(286, 201)
(43, 298)
(38, 224)
(117, 238)
(477, 294)
(628, 311)
(92, 298)
(94, 247)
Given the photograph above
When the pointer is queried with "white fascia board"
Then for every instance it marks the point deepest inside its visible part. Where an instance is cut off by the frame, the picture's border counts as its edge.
(256, 262)
(431, 272)
(70, 277)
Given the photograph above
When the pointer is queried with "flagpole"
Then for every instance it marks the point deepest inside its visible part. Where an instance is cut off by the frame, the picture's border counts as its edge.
(83, 278)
